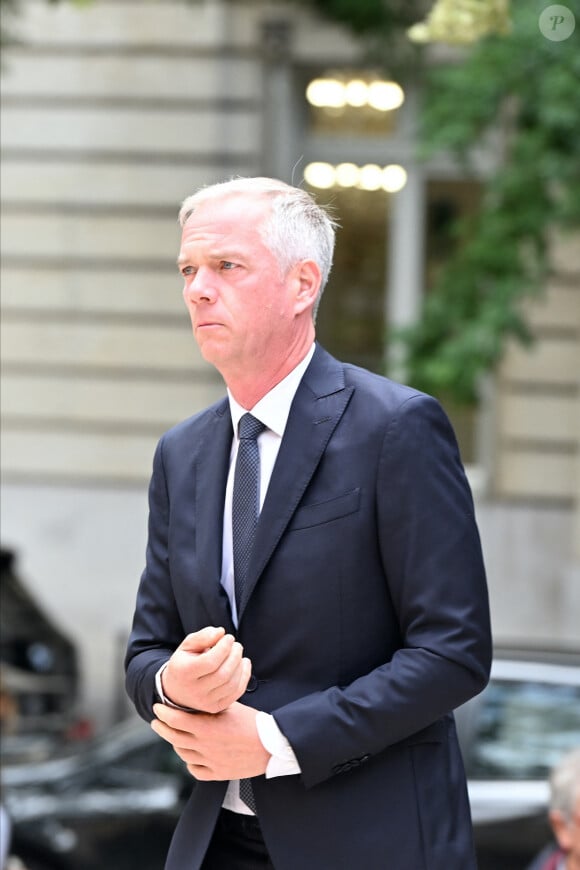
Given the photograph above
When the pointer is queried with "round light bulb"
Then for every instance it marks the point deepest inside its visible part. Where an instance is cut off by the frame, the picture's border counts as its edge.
(371, 177)
(394, 178)
(356, 92)
(322, 175)
(347, 174)
(385, 96)
(326, 93)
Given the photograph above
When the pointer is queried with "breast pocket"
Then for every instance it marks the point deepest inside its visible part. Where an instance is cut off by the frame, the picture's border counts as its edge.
(326, 511)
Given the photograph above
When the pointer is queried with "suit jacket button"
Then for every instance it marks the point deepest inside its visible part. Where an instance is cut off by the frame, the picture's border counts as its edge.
(252, 684)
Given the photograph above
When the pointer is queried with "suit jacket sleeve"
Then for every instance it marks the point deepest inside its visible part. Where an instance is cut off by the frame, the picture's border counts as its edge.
(157, 629)
(431, 555)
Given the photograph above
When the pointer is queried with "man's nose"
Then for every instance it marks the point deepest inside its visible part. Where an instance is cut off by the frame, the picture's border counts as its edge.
(201, 287)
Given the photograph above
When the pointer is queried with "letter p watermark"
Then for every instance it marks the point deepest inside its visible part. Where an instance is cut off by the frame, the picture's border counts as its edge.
(557, 23)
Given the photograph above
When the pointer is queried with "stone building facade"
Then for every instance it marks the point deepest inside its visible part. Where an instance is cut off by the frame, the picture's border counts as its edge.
(111, 113)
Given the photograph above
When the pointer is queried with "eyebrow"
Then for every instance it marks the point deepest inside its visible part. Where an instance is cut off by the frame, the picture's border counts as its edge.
(217, 254)
(227, 254)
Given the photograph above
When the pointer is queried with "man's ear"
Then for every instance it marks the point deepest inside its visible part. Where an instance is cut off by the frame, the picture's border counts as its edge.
(308, 278)
(561, 829)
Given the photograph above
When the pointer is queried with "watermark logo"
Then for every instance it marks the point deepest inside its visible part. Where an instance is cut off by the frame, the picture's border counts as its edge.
(557, 23)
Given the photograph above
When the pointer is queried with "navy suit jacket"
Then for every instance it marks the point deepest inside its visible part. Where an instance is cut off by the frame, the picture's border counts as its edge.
(365, 616)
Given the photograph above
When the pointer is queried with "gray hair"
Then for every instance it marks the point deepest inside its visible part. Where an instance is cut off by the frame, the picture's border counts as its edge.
(296, 229)
(565, 783)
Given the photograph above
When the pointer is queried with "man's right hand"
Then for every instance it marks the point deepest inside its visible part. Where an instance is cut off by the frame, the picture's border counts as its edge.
(207, 671)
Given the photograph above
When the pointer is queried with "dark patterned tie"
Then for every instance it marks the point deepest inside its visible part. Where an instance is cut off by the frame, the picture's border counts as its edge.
(246, 500)
(245, 510)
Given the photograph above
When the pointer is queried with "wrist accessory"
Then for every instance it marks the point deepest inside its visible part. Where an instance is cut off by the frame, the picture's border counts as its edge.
(163, 697)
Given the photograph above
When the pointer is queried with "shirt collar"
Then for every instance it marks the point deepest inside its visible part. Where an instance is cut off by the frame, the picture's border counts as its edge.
(273, 409)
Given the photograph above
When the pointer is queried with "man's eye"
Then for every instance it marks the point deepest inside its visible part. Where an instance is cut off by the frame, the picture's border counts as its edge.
(226, 265)
(188, 270)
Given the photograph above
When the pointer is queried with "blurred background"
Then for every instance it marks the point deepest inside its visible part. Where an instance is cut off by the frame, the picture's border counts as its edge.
(445, 138)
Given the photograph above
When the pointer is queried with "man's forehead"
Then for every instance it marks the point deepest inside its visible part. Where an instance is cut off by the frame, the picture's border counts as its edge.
(224, 241)
(232, 226)
(232, 206)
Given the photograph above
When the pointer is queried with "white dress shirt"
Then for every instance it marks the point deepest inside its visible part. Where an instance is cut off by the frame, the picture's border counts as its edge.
(272, 410)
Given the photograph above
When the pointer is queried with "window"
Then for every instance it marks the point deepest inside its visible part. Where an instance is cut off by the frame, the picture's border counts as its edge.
(351, 321)
(522, 729)
(358, 145)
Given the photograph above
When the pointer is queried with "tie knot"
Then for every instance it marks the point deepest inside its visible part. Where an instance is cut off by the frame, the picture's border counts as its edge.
(249, 427)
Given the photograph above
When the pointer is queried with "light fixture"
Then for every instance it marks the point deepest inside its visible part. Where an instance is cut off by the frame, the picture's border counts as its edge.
(356, 93)
(371, 177)
(383, 96)
(322, 175)
(391, 178)
(347, 174)
(326, 93)
(394, 178)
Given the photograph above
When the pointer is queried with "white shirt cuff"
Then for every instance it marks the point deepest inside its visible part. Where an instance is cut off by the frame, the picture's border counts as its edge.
(163, 697)
(283, 761)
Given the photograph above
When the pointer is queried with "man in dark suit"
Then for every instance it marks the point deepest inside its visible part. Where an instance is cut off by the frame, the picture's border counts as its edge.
(308, 684)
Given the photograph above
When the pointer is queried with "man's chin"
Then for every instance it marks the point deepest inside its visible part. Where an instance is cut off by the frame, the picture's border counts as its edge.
(214, 352)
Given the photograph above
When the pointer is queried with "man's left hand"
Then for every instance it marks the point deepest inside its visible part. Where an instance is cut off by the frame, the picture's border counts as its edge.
(219, 746)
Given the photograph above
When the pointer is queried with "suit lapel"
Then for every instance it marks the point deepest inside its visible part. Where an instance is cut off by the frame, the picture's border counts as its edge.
(211, 471)
(318, 405)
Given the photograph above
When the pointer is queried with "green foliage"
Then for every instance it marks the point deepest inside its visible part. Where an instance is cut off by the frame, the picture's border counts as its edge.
(525, 87)
(366, 16)
(9, 10)
(379, 25)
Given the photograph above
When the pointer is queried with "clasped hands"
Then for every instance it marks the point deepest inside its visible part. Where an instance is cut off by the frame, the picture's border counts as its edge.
(208, 672)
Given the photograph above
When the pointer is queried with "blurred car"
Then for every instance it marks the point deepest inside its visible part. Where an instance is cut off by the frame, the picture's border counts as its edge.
(511, 735)
(116, 803)
(39, 674)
